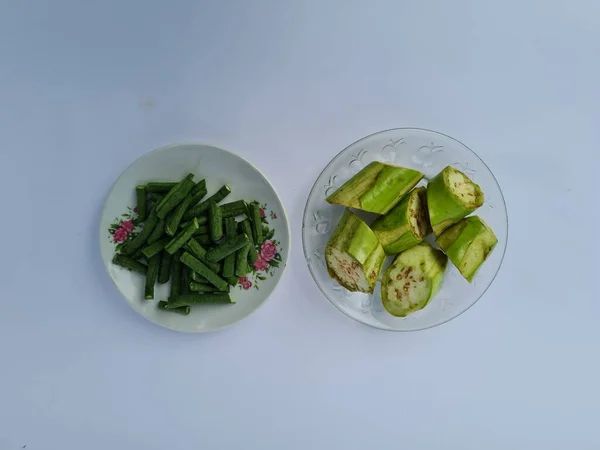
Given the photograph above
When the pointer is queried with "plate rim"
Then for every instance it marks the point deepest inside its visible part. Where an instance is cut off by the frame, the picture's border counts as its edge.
(334, 159)
(226, 150)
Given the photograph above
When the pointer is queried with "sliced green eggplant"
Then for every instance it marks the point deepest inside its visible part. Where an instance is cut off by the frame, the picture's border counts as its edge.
(376, 188)
(468, 243)
(412, 280)
(451, 195)
(354, 255)
(405, 225)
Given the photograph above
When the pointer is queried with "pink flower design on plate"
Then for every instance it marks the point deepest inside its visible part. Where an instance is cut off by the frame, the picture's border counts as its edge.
(273, 215)
(268, 250)
(120, 235)
(262, 213)
(245, 282)
(261, 264)
(127, 225)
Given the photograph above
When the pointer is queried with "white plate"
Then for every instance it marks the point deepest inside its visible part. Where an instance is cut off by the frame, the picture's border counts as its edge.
(218, 167)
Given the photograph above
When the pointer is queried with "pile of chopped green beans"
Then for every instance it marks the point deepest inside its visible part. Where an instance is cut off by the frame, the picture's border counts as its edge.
(194, 243)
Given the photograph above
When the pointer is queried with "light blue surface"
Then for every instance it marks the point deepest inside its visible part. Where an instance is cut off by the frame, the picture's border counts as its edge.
(87, 87)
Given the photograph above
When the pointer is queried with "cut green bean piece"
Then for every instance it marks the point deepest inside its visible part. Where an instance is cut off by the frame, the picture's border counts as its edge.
(185, 279)
(215, 221)
(203, 239)
(198, 278)
(232, 280)
(203, 207)
(130, 264)
(241, 262)
(162, 187)
(156, 198)
(163, 306)
(202, 220)
(179, 193)
(180, 239)
(138, 242)
(246, 228)
(199, 299)
(195, 195)
(256, 223)
(158, 232)
(140, 193)
(233, 209)
(196, 249)
(202, 229)
(176, 270)
(229, 261)
(165, 268)
(151, 277)
(197, 266)
(153, 249)
(229, 246)
(201, 287)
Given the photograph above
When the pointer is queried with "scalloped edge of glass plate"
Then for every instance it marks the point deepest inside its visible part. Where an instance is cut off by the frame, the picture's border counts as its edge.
(334, 159)
(283, 209)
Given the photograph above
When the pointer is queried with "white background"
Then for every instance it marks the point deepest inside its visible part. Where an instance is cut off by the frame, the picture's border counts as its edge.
(86, 87)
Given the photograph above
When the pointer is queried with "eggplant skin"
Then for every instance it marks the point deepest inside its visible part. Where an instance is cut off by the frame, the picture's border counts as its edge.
(353, 255)
(451, 195)
(377, 188)
(468, 244)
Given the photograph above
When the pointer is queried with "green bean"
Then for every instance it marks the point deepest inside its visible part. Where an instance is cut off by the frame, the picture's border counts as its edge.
(256, 222)
(229, 261)
(140, 193)
(201, 268)
(130, 263)
(202, 220)
(151, 277)
(174, 197)
(196, 249)
(165, 268)
(153, 249)
(215, 221)
(203, 229)
(185, 310)
(156, 198)
(158, 232)
(195, 195)
(201, 287)
(185, 279)
(199, 299)
(198, 278)
(241, 262)
(202, 207)
(182, 237)
(232, 280)
(233, 209)
(229, 246)
(203, 239)
(137, 242)
(176, 269)
(160, 186)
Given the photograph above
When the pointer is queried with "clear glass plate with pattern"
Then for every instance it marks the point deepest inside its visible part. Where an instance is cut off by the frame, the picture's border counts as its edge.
(428, 152)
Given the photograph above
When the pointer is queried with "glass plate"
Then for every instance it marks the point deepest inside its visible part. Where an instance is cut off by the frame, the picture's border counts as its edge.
(428, 152)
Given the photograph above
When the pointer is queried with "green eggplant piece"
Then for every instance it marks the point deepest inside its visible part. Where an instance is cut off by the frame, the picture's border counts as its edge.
(354, 255)
(468, 243)
(376, 188)
(405, 225)
(451, 195)
(412, 280)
